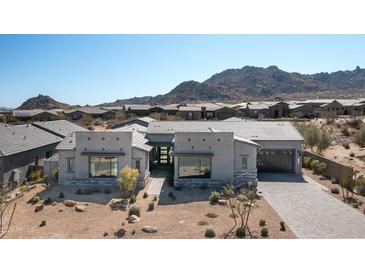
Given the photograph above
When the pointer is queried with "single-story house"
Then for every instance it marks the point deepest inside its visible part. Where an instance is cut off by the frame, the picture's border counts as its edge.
(137, 110)
(98, 157)
(301, 111)
(37, 114)
(267, 109)
(221, 151)
(171, 109)
(60, 128)
(22, 148)
(95, 112)
(206, 111)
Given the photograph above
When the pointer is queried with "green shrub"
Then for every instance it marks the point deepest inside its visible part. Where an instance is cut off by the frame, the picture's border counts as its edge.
(318, 167)
(151, 206)
(35, 199)
(346, 145)
(360, 186)
(307, 162)
(145, 195)
(262, 222)
(211, 215)
(209, 233)
(55, 173)
(335, 190)
(134, 210)
(61, 195)
(359, 137)
(214, 197)
(47, 201)
(155, 198)
(264, 232)
(345, 131)
(352, 154)
(282, 226)
(240, 233)
(132, 199)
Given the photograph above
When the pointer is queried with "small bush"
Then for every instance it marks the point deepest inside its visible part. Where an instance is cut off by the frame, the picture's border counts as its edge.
(47, 201)
(145, 195)
(172, 195)
(79, 192)
(35, 200)
(214, 197)
(346, 145)
(132, 199)
(352, 154)
(335, 190)
(61, 195)
(360, 186)
(264, 232)
(262, 222)
(211, 215)
(151, 206)
(345, 131)
(43, 223)
(282, 226)
(318, 167)
(209, 233)
(240, 233)
(134, 210)
(155, 198)
(307, 162)
(334, 181)
(359, 137)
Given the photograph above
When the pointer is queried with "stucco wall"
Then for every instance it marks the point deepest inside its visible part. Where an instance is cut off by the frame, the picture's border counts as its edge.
(244, 149)
(62, 165)
(102, 142)
(222, 162)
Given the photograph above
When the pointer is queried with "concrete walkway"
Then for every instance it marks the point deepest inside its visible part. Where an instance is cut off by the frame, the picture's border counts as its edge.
(157, 181)
(308, 210)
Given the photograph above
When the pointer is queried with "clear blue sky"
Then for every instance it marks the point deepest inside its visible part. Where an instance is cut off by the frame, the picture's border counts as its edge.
(81, 69)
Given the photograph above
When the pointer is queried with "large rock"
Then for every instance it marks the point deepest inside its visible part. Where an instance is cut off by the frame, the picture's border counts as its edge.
(69, 203)
(80, 208)
(119, 203)
(149, 229)
(39, 208)
(133, 219)
(120, 233)
(222, 202)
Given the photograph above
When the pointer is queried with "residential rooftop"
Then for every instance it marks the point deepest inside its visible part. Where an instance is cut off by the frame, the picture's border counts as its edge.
(252, 130)
(61, 128)
(16, 139)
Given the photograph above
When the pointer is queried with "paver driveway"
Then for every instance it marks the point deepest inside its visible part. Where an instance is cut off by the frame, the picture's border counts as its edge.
(308, 210)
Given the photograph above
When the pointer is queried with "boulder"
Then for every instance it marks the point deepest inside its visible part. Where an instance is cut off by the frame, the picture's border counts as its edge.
(133, 219)
(149, 229)
(69, 203)
(120, 233)
(39, 208)
(119, 203)
(80, 208)
(222, 202)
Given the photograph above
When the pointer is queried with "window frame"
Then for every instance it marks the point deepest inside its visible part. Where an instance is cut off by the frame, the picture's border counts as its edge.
(200, 176)
(68, 161)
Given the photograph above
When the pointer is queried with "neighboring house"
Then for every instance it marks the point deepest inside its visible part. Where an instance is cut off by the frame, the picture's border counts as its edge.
(301, 111)
(133, 126)
(228, 148)
(142, 121)
(137, 110)
(61, 128)
(92, 157)
(23, 148)
(94, 112)
(267, 109)
(171, 109)
(37, 114)
(206, 111)
(341, 107)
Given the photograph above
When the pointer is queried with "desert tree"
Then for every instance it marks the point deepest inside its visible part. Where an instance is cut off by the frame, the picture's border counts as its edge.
(128, 180)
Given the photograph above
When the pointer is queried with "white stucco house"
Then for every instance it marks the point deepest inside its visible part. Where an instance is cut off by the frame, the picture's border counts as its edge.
(209, 152)
(98, 157)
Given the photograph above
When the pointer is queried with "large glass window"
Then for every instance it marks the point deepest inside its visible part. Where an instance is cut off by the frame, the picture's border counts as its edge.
(103, 166)
(194, 167)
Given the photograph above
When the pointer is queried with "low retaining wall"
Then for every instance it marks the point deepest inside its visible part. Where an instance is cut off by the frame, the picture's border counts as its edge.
(334, 169)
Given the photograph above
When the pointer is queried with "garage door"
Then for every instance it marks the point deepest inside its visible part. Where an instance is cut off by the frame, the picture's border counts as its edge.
(275, 160)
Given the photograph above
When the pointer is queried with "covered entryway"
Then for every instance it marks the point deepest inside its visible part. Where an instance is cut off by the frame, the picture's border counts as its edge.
(275, 160)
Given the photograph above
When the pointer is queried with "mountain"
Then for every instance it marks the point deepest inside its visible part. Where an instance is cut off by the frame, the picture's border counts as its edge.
(256, 83)
(42, 102)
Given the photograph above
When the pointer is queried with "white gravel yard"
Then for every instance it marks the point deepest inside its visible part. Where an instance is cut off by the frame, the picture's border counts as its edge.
(308, 210)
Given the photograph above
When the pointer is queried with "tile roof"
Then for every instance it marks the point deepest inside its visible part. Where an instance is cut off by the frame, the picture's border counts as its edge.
(16, 139)
(133, 126)
(137, 107)
(61, 128)
(88, 110)
(139, 141)
(252, 130)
